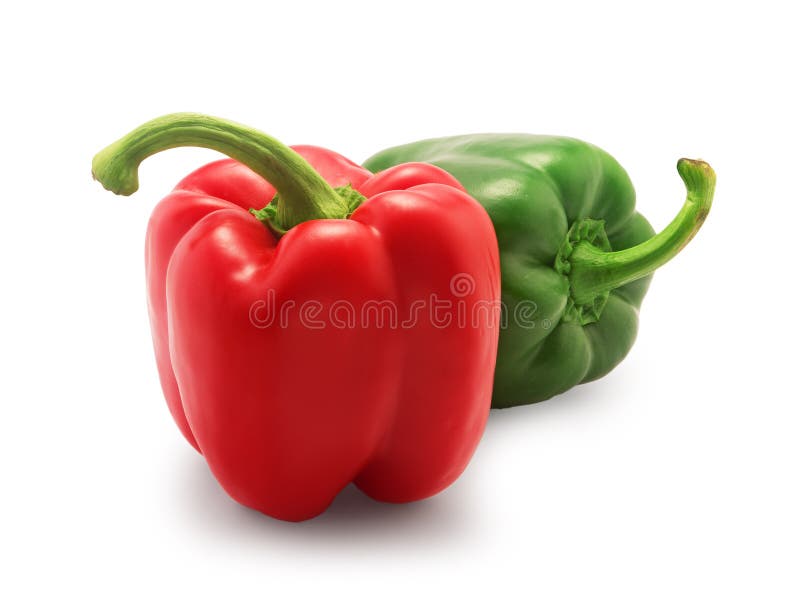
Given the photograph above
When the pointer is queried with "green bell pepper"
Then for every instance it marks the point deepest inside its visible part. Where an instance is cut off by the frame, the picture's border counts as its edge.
(576, 258)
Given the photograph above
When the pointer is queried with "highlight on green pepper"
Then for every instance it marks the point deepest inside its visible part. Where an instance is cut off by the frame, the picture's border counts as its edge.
(572, 246)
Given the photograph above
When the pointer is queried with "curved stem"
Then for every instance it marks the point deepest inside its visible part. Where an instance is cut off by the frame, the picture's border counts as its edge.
(303, 193)
(594, 271)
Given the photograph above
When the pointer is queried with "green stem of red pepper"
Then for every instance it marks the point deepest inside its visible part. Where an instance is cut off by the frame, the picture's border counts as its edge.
(303, 194)
(593, 271)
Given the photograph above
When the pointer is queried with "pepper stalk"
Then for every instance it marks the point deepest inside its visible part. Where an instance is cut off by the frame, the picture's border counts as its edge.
(593, 270)
(303, 194)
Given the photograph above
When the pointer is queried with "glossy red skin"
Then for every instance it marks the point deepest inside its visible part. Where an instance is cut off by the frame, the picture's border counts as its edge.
(288, 416)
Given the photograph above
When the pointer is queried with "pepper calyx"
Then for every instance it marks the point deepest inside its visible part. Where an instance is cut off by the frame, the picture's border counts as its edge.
(270, 215)
(591, 231)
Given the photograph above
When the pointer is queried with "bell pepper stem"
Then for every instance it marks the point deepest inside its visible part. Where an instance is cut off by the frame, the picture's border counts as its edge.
(594, 271)
(303, 193)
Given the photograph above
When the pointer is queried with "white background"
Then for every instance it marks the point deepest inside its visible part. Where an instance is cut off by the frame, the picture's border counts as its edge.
(674, 477)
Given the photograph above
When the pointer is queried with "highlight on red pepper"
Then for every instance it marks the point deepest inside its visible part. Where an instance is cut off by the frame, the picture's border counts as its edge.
(314, 324)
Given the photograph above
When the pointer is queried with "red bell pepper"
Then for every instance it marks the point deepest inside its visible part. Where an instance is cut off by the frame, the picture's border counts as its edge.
(325, 347)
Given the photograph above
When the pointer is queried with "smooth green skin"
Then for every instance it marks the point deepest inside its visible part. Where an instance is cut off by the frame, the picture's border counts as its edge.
(534, 189)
